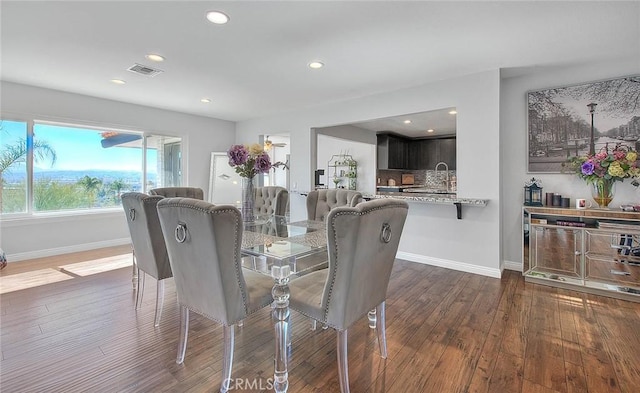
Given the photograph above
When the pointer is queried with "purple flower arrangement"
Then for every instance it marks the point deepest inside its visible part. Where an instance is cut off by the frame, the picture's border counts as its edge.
(614, 164)
(248, 161)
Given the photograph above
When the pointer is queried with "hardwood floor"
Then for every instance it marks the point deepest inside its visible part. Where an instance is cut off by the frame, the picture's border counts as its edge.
(447, 331)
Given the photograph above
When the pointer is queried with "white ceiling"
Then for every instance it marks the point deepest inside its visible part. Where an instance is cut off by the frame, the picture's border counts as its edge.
(441, 122)
(256, 65)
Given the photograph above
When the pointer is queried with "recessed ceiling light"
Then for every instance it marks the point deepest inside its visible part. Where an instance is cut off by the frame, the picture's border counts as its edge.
(118, 81)
(154, 57)
(430, 130)
(205, 100)
(453, 112)
(217, 17)
(407, 122)
(316, 64)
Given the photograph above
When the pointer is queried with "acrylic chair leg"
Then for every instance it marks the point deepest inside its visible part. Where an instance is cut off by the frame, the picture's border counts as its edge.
(159, 301)
(382, 330)
(184, 333)
(140, 292)
(227, 361)
(371, 315)
(343, 364)
(134, 273)
(314, 324)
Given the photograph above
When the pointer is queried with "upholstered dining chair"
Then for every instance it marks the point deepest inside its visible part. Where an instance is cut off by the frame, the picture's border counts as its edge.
(174, 192)
(271, 200)
(203, 242)
(320, 202)
(149, 249)
(362, 242)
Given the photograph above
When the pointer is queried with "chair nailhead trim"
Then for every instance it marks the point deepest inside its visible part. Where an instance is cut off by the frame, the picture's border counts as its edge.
(243, 289)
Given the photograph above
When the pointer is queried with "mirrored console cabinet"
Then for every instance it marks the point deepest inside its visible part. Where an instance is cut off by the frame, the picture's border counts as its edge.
(592, 250)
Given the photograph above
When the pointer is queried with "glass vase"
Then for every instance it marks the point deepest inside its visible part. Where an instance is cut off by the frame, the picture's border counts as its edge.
(248, 199)
(603, 191)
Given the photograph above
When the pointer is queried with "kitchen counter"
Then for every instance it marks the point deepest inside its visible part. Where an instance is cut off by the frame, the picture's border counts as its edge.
(432, 198)
(446, 199)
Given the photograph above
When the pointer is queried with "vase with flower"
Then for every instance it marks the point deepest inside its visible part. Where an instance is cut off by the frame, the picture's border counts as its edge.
(603, 169)
(248, 161)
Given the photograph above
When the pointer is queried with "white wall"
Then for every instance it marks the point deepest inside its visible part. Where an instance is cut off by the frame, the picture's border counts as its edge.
(513, 144)
(432, 233)
(34, 237)
(279, 176)
(363, 153)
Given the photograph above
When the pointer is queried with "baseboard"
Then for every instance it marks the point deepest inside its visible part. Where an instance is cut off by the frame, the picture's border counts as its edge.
(66, 250)
(449, 264)
(511, 265)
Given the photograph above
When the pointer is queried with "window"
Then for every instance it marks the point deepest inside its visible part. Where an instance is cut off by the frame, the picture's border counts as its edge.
(164, 161)
(13, 168)
(77, 168)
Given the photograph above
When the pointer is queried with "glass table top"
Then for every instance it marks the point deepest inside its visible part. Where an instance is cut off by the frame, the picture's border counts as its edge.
(276, 241)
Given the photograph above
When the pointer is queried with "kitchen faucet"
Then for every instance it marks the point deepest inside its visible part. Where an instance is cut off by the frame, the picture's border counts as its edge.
(446, 167)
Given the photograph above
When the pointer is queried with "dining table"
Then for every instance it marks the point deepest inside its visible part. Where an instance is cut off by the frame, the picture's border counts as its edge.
(284, 249)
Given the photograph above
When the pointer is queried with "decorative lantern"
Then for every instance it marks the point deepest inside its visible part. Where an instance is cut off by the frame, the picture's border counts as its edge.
(533, 192)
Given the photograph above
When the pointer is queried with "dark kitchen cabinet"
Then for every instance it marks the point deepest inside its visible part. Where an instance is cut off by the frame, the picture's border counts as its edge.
(422, 154)
(426, 153)
(447, 152)
(393, 152)
(400, 153)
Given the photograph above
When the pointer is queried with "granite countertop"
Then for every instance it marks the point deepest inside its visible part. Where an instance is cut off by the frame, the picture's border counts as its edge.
(444, 199)
(439, 199)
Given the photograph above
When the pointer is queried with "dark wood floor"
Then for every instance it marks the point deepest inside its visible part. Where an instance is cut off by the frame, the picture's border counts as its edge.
(447, 332)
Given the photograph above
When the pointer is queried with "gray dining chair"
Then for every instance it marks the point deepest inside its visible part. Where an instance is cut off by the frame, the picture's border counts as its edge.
(203, 242)
(149, 251)
(174, 192)
(271, 200)
(362, 243)
(320, 202)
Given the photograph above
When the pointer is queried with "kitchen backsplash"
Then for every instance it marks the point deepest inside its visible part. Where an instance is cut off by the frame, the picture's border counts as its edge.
(426, 178)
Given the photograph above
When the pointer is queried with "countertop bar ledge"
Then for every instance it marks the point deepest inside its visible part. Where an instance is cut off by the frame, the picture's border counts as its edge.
(444, 199)
(437, 199)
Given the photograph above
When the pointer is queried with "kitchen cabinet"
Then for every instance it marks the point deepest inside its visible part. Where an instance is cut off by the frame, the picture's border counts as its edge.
(596, 251)
(426, 153)
(393, 152)
(447, 152)
(399, 153)
(421, 154)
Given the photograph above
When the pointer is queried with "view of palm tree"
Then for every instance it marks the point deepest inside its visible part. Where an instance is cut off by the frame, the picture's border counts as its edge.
(91, 185)
(13, 154)
(71, 168)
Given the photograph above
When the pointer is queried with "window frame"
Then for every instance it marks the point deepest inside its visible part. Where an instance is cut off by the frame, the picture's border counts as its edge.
(30, 214)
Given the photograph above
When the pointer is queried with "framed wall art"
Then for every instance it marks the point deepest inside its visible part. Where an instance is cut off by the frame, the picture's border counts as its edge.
(565, 122)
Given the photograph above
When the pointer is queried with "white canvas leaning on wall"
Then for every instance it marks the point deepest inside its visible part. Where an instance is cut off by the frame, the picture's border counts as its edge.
(225, 185)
